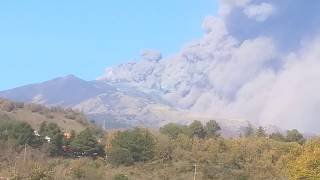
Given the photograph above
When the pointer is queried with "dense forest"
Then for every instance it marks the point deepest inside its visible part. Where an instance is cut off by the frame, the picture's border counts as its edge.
(172, 152)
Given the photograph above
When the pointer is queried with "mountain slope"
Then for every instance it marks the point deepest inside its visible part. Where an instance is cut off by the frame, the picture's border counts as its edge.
(111, 104)
(65, 91)
(120, 105)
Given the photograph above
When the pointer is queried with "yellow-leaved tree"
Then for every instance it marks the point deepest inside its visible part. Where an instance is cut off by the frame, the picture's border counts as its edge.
(307, 164)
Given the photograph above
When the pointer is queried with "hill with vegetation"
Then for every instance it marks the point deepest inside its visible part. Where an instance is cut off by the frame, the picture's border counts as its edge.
(173, 152)
(35, 114)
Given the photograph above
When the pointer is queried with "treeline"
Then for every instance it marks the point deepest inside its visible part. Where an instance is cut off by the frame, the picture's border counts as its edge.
(248, 156)
(172, 152)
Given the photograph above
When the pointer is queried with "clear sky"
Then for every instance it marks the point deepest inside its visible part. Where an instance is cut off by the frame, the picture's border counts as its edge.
(40, 40)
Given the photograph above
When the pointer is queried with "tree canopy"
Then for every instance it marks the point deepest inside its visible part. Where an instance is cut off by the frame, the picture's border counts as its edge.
(132, 146)
(86, 144)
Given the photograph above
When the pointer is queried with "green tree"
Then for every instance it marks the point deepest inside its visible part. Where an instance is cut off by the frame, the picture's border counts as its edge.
(212, 129)
(136, 145)
(249, 131)
(86, 144)
(277, 136)
(261, 132)
(22, 132)
(172, 130)
(197, 129)
(55, 134)
(295, 136)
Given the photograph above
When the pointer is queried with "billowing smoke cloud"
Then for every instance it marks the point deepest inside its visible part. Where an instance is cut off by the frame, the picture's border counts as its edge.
(286, 21)
(258, 60)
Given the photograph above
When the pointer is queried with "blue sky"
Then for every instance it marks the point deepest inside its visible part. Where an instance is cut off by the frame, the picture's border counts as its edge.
(40, 40)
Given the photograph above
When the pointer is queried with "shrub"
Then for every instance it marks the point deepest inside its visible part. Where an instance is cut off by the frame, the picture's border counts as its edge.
(34, 107)
(70, 115)
(39, 173)
(120, 177)
(87, 169)
(8, 106)
(49, 116)
(120, 156)
(19, 105)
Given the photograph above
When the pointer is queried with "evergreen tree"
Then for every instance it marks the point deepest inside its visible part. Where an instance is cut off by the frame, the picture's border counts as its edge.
(55, 134)
(86, 144)
(136, 145)
(261, 132)
(295, 136)
(172, 130)
(212, 129)
(277, 136)
(197, 130)
(249, 131)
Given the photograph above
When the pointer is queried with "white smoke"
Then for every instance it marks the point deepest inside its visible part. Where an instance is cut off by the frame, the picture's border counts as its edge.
(255, 62)
(259, 12)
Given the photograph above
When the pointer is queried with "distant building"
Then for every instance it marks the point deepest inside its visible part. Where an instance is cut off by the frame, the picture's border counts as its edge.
(36, 133)
(67, 135)
(47, 138)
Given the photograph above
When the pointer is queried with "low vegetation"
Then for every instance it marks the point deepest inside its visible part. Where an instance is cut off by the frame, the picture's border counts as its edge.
(173, 152)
